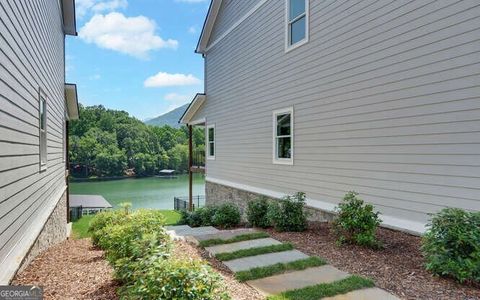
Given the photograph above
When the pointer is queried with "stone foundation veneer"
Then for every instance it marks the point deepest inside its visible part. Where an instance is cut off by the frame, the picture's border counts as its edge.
(216, 194)
(54, 231)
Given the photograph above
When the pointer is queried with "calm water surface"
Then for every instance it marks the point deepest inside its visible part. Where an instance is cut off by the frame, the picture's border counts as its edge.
(149, 192)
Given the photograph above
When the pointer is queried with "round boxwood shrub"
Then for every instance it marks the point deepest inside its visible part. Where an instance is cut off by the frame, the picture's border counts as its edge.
(257, 212)
(227, 215)
(288, 214)
(176, 279)
(451, 245)
(356, 222)
(103, 220)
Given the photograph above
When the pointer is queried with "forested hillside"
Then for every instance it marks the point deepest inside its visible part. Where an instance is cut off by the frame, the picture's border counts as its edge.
(106, 142)
(170, 118)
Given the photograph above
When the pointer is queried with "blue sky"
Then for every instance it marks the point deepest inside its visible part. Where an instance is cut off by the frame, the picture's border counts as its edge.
(137, 55)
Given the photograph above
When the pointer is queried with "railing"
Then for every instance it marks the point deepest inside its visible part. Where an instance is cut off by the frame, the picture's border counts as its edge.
(198, 158)
(181, 203)
(75, 213)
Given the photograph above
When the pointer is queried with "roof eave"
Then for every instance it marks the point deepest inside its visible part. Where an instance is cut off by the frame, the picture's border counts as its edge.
(71, 101)
(69, 19)
(208, 26)
(192, 108)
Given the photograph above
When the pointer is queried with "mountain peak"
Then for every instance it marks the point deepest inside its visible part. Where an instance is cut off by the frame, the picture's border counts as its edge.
(170, 118)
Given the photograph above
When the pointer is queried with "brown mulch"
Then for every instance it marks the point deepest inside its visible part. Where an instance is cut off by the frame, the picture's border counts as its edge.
(73, 269)
(398, 268)
(237, 290)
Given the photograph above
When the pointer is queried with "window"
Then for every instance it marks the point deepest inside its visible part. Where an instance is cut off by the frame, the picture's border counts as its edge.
(283, 136)
(43, 129)
(211, 141)
(297, 23)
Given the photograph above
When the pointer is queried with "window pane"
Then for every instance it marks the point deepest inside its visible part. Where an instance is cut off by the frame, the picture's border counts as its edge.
(297, 30)
(297, 7)
(283, 124)
(284, 148)
(42, 113)
(211, 134)
(211, 149)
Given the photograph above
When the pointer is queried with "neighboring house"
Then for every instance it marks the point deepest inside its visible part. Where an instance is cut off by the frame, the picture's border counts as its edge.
(35, 105)
(324, 97)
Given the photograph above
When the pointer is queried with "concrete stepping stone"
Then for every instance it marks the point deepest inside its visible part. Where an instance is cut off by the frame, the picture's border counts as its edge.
(365, 294)
(183, 231)
(223, 234)
(297, 279)
(227, 248)
(263, 260)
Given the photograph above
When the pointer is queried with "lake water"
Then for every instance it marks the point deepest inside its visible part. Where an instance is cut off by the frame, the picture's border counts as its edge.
(151, 192)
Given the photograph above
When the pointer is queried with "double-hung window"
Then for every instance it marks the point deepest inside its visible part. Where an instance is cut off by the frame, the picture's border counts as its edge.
(283, 136)
(211, 142)
(43, 129)
(297, 23)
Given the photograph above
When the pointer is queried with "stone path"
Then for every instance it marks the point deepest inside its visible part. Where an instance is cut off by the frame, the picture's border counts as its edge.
(277, 283)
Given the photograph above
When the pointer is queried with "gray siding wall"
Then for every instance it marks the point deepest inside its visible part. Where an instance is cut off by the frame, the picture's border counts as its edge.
(386, 100)
(31, 57)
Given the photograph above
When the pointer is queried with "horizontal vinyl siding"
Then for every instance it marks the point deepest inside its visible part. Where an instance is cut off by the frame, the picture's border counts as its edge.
(32, 57)
(385, 97)
(230, 12)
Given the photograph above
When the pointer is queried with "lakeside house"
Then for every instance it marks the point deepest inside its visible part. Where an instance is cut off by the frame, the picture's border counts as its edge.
(330, 96)
(35, 106)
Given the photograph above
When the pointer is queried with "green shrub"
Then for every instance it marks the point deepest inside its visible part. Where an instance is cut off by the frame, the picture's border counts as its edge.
(288, 214)
(227, 215)
(175, 279)
(356, 222)
(257, 213)
(103, 220)
(119, 240)
(200, 217)
(451, 246)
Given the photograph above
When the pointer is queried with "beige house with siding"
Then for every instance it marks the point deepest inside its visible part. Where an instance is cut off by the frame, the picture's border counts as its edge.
(380, 97)
(35, 106)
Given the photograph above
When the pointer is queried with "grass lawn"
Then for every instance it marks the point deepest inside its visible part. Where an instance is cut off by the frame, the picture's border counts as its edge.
(238, 238)
(80, 227)
(326, 289)
(254, 251)
(262, 272)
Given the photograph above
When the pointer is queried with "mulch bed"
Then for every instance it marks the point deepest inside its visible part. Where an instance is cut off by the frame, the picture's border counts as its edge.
(398, 268)
(73, 269)
(237, 290)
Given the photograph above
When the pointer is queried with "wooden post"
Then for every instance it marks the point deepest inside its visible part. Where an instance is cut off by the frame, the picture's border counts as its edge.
(67, 169)
(190, 164)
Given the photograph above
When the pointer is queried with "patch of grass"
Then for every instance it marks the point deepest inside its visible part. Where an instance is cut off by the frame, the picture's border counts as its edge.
(325, 289)
(80, 227)
(171, 216)
(238, 238)
(279, 268)
(254, 251)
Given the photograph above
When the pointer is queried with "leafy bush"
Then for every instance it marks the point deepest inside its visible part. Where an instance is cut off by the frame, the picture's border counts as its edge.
(356, 222)
(105, 219)
(451, 246)
(257, 212)
(176, 279)
(200, 217)
(227, 215)
(119, 240)
(288, 214)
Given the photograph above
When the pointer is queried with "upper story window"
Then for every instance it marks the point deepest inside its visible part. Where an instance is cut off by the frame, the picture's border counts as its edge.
(43, 129)
(283, 136)
(297, 23)
(211, 141)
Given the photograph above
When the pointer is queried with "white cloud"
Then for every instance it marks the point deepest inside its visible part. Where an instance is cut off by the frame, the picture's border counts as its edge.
(192, 29)
(95, 77)
(85, 6)
(163, 79)
(134, 36)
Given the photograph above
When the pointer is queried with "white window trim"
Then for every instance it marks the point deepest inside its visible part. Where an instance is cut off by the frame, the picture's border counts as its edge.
(289, 47)
(275, 159)
(207, 142)
(42, 95)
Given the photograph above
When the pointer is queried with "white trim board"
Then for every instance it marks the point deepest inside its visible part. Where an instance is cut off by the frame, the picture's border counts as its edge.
(20, 250)
(416, 228)
(236, 24)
